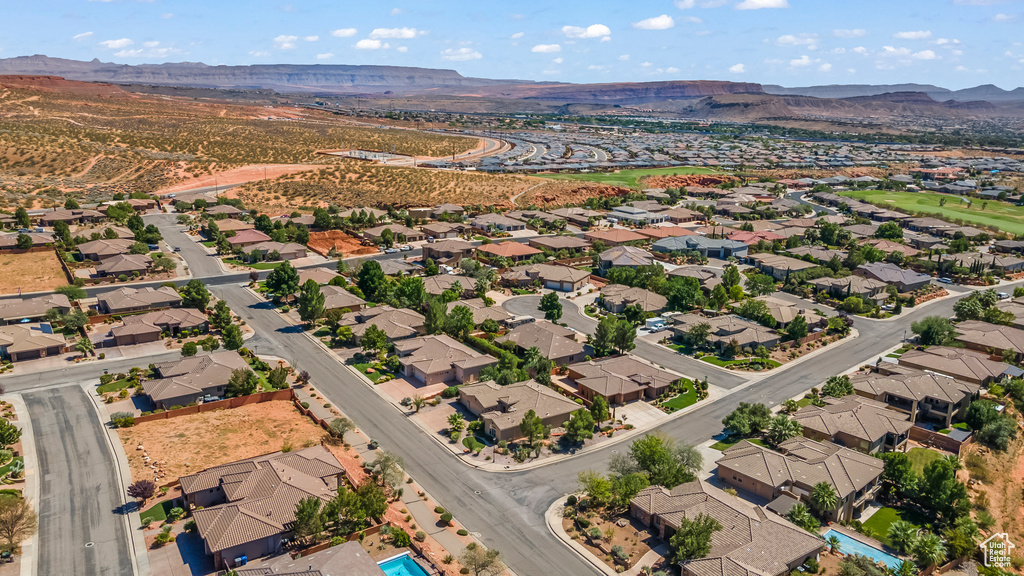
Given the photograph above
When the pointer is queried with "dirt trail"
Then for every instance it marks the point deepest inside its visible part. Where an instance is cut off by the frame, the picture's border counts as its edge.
(239, 176)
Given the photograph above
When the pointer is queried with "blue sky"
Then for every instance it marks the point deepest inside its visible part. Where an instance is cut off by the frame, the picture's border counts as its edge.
(951, 43)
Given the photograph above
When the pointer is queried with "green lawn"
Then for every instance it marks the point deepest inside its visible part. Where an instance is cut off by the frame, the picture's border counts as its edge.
(921, 457)
(687, 398)
(254, 265)
(158, 512)
(731, 441)
(805, 401)
(723, 363)
(112, 387)
(1007, 217)
(880, 521)
(473, 444)
(373, 377)
(7, 467)
(629, 178)
(322, 332)
(209, 243)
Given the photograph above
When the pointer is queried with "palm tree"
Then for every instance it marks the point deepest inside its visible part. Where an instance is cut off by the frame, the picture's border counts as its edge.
(834, 544)
(929, 550)
(905, 568)
(85, 346)
(824, 498)
(800, 516)
(954, 461)
(783, 428)
(902, 535)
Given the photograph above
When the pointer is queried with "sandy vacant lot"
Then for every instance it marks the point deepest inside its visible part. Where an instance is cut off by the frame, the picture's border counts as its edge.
(188, 444)
(238, 176)
(31, 272)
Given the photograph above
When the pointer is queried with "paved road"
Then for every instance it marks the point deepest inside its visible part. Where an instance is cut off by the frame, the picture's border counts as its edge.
(200, 262)
(80, 530)
(577, 320)
(798, 196)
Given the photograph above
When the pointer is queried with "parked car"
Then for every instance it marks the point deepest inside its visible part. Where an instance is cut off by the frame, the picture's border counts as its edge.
(1003, 295)
(406, 248)
(945, 280)
(430, 239)
(177, 248)
(391, 251)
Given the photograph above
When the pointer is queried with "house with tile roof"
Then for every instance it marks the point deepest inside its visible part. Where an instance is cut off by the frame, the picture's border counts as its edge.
(842, 288)
(624, 257)
(514, 251)
(348, 559)
(148, 327)
(553, 277)
(554, 342)
(125, 264)
(784, 312)
(752, 542)
(321, 275)
(246, 508)
(29, 341)
(571, 244)
(102, 249)
(15, 310)
(778, 266)
(614, 236)
(450, 251)
(904, 280)
(991, 338)
(797, 467)
(726, 329)
(923, 395)
(497, 222)
(481, 311)
(190, 379)
(501, 408)
(339, 298)
(615, 298)
(125, 300)
(440, 283)
(244, 238)
(960, 363)
(707, 247)
(439, 358)
(285, 250)
(620, 379)
(396, 323)
(856, 422)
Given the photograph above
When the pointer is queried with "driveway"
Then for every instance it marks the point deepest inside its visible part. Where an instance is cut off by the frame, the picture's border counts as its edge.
(200, 262)
(81, 530)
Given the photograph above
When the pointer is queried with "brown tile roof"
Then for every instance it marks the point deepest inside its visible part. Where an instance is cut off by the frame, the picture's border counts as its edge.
(751, 542)
(556, 243)
(857, 416)
(439, 353)
(626, 256)
(319, 275)
(193, 374)
(618, 294)
(124, 298)
(348, 559)
(505, 406)
(106, 248)
(124, 263)
(261, 494)
(621, 375)
(28, 337)
(480, 310)
(396, 323)
(912, 384)
(172, 317)
(991, 336)
(509, 249)
(248, 237)
(961, 363)
(336, 297)
(18, 308)
(438, 283)
(552, 340)
(614, 235)
(804, 462)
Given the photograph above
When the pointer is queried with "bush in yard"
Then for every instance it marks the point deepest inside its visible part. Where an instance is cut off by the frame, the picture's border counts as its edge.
(337, 541)
(439, 510)
(462, 532)
(122, 419)
(175, 514)
(146, 522)
(191, 526)
(421, 535)
(446, 518)
(400, 538)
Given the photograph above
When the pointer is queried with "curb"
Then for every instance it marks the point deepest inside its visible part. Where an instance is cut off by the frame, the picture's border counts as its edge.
(133, 524)
(28, 445)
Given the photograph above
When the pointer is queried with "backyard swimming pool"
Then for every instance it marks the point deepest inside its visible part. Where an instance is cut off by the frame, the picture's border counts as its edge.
(401, 566)
(850, 546)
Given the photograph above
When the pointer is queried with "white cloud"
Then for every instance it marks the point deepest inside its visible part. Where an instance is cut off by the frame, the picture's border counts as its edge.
(82, 36)
(737, 69)
(259, 53)
(397, 11)
(860, 50)
(839, 50)
(324, 56)
(402, 49)
(684, 4)
(759, 4)
(546, 48)
(129, 53)
(977, 2)
(558, 60)
(1004, 17)
(343, 32)
(961, 68)
(663, 22)
(810, 40)
(151, 44)
(694, 20)
(391, 33)
(285, 42)
(368, 44)
(850, 33)
(925, 55)
(913, 35)
(166, 16)
(672, 70)
(893, 51)
(115, 44)
(460, 54)
(592, 31)
(646, 64)
(624, 57)
(825, 67)
(801, 61)
(517, 35)
(310, 38)
(944, 41)
(595, 67)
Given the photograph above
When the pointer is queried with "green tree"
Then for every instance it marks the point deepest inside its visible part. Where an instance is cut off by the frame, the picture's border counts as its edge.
(801, 516)
(435, 320)
(410, 293)
(490, 326)
(456, 423)
(74, 319)
(665, 462)
(624, 336)
(189, 349)
(980, 412)
(339, 427)
(551, 306)
(625, 487)
(532, 427)
(195, 295)
(62, 231)
(17, 519)
(374, 339)
(824, 499)
(998, 433)
(697, 334)
(934, 330)
(942, 493)
(580, 426)
(634, 314)
(929, 550)
(797, 328)
(9, 433)
(221, 316)
(837, 387)
(890, 231)
(603, 339)
(387, 238)
(719, 296)
(731, 276)
(283, 281)
(902, 535)
(459, 323)
(371, 279)
(243, 382)
(693, 538)
(684, 294)
(782, 428)
(232, 336)
(278, 377)
(481, 561)
(898, 477)
(23, 242)
(387, 469)
(309, 522)
(599, 409)
(597, 487)
(21, 218)
(747, 419)
(311, 301)
(71, 291)
(760, 284)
